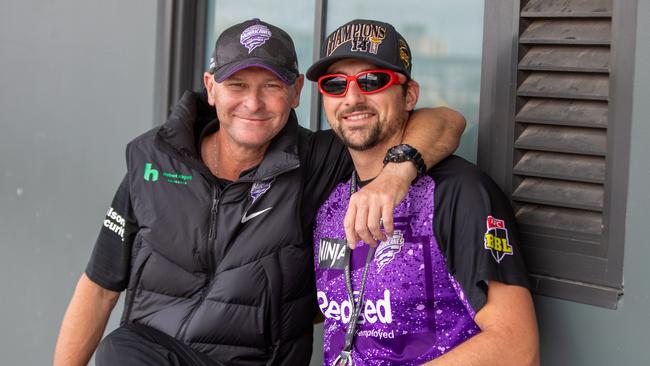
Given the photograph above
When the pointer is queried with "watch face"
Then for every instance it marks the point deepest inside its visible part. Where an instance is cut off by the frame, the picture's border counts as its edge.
(404, 149)
(405, 152)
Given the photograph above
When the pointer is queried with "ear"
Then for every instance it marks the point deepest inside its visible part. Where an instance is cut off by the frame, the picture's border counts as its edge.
(209, 83)
(297, 88)
(412, 94)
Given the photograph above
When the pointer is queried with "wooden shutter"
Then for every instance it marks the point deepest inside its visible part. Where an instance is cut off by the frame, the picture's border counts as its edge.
(561, 139)
(558, 115)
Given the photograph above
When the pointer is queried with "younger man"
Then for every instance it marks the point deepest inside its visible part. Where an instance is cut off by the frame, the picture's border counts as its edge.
(449, 286)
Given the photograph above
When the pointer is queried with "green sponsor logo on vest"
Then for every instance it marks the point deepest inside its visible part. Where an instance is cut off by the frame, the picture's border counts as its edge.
(151, 175)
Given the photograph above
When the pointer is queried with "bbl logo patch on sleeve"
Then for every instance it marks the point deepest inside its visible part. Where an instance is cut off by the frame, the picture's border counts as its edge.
(496, 239)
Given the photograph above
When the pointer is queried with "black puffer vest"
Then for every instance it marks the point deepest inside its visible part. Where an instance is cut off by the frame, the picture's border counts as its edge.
(227, 271)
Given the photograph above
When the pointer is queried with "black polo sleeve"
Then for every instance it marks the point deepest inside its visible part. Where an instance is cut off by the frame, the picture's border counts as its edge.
(327, 162)
(109, 263)
(476, 229)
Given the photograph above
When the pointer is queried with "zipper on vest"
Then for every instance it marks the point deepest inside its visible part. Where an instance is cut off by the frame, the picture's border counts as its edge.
(213, 216)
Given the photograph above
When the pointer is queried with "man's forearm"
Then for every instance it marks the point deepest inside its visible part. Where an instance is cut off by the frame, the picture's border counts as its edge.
(485, 349)
(507, 316)
(434, 132)
(84, 323)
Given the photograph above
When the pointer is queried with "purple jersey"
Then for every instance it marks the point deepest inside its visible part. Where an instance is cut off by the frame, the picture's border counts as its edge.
(454, 232)
(413, 308)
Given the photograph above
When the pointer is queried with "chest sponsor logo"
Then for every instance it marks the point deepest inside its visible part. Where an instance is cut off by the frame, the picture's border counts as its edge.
(115, 222)
(151, 175)
(496, 239)
(331, 253)
(387, 250)
(373, 311)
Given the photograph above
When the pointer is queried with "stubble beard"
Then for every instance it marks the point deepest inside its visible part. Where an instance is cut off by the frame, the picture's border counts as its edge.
(371, 136)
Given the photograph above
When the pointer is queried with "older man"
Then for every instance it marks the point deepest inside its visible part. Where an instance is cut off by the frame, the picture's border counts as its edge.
(209, 232)
(448, 287)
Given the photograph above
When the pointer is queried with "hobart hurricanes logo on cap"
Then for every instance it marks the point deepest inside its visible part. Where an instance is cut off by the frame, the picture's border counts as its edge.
(254, 36)
(363, 37)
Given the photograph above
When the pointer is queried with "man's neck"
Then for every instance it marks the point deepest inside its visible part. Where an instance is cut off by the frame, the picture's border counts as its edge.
(226, 159)
(368, 163)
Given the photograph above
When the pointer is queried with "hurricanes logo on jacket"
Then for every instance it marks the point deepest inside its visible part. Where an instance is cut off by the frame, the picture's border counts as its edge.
(496, 239)
(259, 188)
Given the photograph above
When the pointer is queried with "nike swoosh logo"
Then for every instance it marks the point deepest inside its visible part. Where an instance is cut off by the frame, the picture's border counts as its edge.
(247, 217)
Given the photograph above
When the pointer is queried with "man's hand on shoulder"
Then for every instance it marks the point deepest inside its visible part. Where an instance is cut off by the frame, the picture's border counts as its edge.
(371, 208)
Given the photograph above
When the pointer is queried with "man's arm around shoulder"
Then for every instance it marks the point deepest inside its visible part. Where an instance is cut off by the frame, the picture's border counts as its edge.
(508, 332)
(84, 323)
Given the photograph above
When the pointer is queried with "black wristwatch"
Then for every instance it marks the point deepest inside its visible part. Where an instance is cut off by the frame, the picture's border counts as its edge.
(405, 152)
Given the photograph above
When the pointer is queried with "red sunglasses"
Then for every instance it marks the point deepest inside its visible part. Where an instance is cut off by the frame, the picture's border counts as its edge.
(369, 82)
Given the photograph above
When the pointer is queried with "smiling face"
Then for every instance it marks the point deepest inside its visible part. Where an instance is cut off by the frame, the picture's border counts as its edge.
(253, 105)
(363, 121)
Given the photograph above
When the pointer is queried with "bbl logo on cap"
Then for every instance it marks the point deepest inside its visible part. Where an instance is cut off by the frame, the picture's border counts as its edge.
(255, 36)
(496, 239)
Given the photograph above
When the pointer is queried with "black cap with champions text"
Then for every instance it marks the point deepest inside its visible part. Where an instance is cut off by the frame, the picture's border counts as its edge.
(254, 43)
(369, 40)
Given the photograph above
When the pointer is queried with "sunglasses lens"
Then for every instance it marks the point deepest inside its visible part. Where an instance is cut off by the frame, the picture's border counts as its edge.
(369, 82)
(334, 85)
(372, 81)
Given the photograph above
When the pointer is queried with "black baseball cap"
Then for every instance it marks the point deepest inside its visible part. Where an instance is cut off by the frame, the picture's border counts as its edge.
(254, 43)
(369, 40)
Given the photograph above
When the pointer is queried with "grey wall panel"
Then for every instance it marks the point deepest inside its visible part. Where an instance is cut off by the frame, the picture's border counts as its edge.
(77, 82)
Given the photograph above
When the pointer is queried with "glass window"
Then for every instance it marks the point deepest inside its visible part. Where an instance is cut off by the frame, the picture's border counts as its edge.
(446, 38)
(295, 17)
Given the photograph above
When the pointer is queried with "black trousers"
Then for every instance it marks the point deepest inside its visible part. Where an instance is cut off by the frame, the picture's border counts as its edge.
(140, 345)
